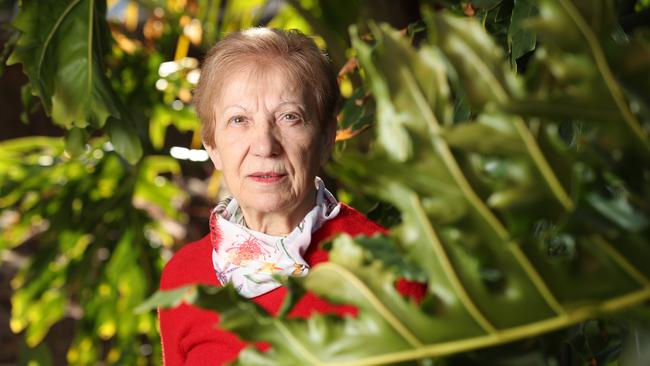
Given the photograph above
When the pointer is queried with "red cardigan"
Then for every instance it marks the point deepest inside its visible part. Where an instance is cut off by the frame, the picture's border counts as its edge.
(189, 334)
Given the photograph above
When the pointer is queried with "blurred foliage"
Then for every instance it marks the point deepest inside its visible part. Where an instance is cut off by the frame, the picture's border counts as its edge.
(96, 256)
(504, 141)
(521, 172)
(89, 219)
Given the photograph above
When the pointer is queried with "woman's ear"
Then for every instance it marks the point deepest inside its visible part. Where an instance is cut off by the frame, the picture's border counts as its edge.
(214, 156)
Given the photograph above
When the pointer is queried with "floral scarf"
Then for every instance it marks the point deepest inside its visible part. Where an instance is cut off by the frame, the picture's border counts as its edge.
(250, 259)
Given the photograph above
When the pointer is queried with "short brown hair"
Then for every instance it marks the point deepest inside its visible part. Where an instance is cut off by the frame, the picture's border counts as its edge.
(295, 52)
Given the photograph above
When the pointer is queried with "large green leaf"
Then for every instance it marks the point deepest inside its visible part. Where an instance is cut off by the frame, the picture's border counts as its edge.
(387, 330)
(60, 53)
(61, 49)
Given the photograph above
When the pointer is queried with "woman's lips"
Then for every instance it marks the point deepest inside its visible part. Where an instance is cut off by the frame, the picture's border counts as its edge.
(266, 177)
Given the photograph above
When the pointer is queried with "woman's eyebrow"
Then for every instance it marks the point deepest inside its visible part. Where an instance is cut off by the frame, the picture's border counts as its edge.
(297, 104)
(237, 106)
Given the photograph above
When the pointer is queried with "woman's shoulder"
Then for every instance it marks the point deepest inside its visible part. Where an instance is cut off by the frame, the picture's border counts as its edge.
(191, 264)
(352, 222)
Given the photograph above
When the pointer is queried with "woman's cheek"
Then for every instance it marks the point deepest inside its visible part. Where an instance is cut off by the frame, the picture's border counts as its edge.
(233, 138)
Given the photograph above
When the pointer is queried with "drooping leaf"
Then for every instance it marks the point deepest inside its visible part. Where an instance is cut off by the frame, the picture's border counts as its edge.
(124, 138)
(59, 51)
(393, 135)
(61, 48)
(521, 39)
(75, 141)
(477, 59)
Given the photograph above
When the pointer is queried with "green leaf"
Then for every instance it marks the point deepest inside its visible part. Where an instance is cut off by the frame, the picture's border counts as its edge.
(387, 329)
(381, 248)
(354, 116)
(75, 141)
(486, 4)
(482, 72)
(59, 51)
(167, 299)
(620, 211)
(39, 355)
(124, 138)
(630, 60)
(162, 116)
(7, 47)
(390, 129)
(370, 286)
(589, 33)
(520, 39)
(152, 188)
(471, 136)
(42, 314)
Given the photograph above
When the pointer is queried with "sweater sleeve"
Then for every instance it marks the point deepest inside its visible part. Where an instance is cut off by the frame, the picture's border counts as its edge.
(190, 335)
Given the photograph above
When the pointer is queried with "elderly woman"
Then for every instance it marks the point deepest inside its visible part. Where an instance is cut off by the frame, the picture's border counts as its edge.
(267, 100)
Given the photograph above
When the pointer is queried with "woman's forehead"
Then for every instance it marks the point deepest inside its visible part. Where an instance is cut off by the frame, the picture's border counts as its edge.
(252, 80)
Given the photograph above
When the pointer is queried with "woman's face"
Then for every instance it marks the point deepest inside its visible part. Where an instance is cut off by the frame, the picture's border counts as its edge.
(269, 144)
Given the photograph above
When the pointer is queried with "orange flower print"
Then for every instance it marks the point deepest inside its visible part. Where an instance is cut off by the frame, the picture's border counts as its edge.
(249, 249)
(270, 267)
(299, 269)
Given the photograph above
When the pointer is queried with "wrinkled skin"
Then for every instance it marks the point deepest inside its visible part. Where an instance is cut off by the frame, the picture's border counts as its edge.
(269, 146)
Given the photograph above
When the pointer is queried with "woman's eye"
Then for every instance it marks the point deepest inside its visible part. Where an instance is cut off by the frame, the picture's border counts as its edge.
(291, 117)
(236, 120)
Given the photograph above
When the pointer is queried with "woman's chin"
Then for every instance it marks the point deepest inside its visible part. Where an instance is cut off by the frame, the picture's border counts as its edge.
(278, 197)
(267, 203)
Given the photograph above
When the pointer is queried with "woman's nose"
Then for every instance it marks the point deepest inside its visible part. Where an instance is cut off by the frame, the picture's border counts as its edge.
(265, 142)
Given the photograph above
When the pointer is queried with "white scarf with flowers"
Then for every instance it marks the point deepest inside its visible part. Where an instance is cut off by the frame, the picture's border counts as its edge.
(250, 259)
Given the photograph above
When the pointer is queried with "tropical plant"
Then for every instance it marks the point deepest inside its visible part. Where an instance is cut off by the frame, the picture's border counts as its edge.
(523, 196)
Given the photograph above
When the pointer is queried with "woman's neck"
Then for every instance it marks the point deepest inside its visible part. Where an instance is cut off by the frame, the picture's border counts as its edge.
(278, 223)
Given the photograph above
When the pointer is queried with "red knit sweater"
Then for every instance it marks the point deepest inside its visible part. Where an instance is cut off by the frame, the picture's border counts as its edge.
(190, 335)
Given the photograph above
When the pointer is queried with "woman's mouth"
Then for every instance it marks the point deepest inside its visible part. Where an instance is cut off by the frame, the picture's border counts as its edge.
(267, 177)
